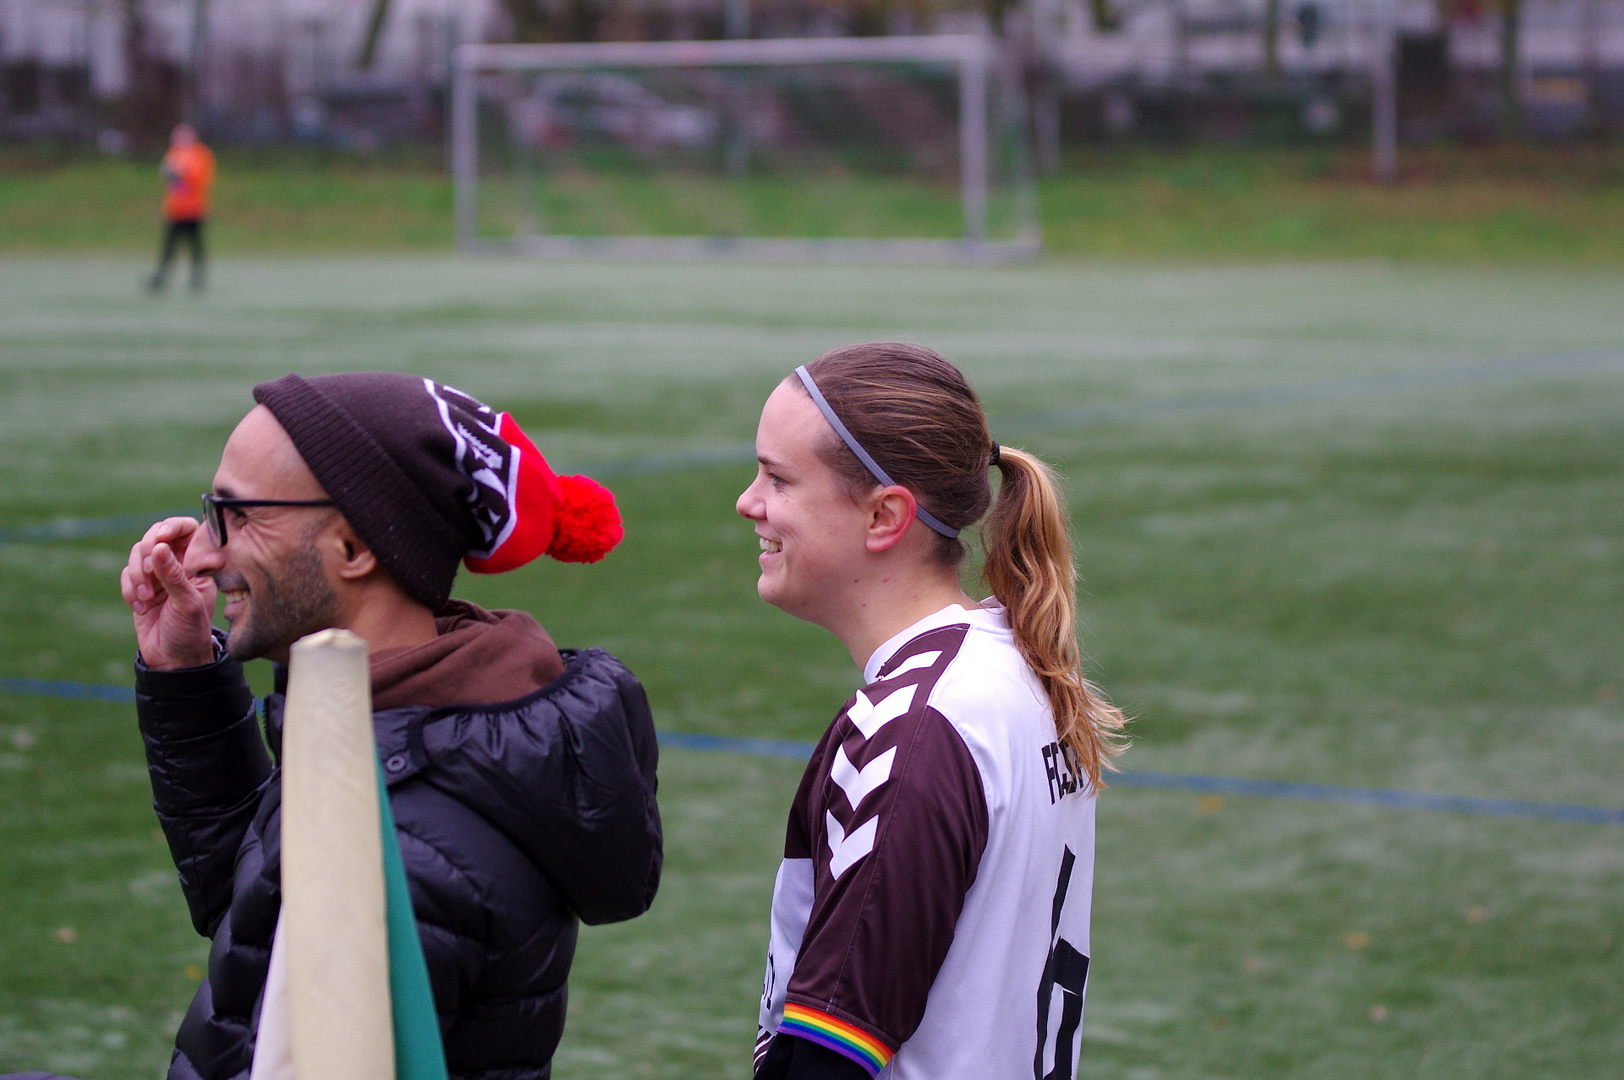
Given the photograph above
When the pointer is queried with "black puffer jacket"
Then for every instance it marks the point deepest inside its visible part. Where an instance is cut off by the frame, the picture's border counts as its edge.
(513, 820)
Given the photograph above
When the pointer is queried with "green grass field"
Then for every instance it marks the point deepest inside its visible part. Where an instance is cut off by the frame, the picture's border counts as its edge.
(1344, 522)
(1547, 204)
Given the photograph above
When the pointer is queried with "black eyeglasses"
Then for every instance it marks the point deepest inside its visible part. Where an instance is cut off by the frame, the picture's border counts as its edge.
(215, 506)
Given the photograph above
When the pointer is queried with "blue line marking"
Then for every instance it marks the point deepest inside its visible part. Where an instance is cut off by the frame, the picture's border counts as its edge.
(1213, 785)
(1230, 785)
(1402, 800)
(52, 688)
(85, 528)
(773, 748)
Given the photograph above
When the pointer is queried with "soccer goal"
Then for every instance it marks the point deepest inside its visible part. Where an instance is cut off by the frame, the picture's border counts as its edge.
(908, 149)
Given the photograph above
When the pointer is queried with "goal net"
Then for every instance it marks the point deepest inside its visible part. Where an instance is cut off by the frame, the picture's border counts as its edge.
(889, 148)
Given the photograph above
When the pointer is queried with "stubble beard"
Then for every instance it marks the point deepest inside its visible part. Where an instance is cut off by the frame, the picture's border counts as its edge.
(292, 599)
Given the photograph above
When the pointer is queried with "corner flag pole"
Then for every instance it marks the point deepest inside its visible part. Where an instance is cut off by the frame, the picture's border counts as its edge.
(333, 899)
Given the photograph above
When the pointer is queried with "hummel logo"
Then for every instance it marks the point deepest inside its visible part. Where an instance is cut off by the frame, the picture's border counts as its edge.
(845, 850)
(913, 663)
(870, 717)
(857, 783)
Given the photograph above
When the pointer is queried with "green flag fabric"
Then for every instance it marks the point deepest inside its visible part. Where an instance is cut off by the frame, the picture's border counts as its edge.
(419, 1054)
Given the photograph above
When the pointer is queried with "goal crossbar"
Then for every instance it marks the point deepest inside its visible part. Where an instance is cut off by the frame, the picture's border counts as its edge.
(972, 55)
(955, 48)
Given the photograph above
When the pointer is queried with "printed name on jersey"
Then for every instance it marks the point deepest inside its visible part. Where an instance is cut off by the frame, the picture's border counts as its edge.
(1064, 771)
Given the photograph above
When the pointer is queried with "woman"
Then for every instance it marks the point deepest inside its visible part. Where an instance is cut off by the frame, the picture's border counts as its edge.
(930, 917)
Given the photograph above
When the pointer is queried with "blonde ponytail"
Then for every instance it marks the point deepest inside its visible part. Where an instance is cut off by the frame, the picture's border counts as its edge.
(1029, 569)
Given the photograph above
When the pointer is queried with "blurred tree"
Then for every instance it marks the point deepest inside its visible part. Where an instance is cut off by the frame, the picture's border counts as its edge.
(369, 40)
(1271, 37)
(1510, 63)
(998, 12)
(1309, 19)
(557, 20)
(1106, 16)
(153, 86)
(194, 61)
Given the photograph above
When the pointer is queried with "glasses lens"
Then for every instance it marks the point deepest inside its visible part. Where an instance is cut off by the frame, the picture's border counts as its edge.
(215, 516)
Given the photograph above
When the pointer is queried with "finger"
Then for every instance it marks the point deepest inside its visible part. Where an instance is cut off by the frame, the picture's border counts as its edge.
(165, 531)
(137, 583)
(127, 589)
(169, 529)
(177, 532)
(132, 569)
(180, 529)
(170, 574)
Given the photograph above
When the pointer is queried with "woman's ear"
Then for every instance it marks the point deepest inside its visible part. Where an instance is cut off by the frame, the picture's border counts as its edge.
(891, 511)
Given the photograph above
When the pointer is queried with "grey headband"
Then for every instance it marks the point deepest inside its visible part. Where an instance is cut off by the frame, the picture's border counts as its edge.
(863, 455)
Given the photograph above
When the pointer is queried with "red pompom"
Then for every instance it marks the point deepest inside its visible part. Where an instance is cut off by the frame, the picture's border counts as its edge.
(586, 524)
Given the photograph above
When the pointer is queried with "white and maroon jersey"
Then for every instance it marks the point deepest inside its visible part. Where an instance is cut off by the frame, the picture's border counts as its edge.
(930, 917)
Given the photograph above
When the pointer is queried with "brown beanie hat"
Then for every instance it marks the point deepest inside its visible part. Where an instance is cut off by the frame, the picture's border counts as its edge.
(429, 476)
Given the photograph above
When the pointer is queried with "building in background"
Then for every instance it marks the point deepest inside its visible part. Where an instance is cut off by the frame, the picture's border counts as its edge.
(1221, 69)
(243, 70)
(360, 74)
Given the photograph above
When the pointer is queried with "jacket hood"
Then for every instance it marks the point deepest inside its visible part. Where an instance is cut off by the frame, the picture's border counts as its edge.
(475, 656)
(567, 773)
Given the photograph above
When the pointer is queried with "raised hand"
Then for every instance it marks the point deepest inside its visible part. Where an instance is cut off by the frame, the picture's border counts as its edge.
(173, 609)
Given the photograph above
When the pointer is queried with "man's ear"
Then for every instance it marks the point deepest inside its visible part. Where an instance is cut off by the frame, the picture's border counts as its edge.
(355, 558)
(891, 512)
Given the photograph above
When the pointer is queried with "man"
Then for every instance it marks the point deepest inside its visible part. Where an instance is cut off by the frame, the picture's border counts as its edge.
(188, 175)
(521, 779)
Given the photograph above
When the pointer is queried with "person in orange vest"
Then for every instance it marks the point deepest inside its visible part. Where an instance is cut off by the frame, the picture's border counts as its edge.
(188, 174)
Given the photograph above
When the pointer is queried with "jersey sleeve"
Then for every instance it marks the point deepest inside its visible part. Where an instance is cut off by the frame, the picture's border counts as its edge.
(894, 820)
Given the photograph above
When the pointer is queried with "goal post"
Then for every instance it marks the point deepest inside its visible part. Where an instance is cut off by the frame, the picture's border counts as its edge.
(553, 99)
